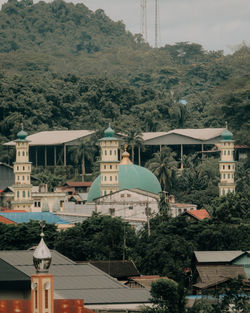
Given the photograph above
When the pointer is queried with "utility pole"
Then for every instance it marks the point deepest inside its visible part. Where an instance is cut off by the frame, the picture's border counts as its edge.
(144, 29)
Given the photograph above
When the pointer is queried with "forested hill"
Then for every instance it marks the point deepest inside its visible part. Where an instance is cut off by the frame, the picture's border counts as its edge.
(58, 28)
(64, 66)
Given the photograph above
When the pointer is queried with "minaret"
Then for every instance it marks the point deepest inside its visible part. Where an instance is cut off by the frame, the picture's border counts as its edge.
(109, 164)
(42, 288)
(22, 170)
(227, 164)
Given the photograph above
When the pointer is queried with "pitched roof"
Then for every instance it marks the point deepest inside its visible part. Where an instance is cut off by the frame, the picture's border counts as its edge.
(9, 273)
(24, 217)
(117, 269)
(6, 220)
(78, 183)
(78, 281)
(147, 280)
(198, 133)
(55, 137)
(213, 275)
(217, 256)
(198, 214)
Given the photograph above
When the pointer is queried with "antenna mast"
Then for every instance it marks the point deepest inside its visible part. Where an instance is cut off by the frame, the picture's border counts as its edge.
(144, 29)
(156, 23)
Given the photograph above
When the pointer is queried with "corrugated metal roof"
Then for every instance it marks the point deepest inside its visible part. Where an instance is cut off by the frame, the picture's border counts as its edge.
(151, 135)
(55, 137)
(83, 281)
(217, 256)
(199, 133)
(24, 217)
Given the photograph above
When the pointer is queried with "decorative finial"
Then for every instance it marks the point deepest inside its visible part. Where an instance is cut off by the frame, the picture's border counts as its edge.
(125, 147)
(42, 256)
(22, 126)
(226, 125)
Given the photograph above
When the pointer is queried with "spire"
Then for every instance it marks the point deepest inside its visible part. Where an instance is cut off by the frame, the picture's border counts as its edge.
(42, 256)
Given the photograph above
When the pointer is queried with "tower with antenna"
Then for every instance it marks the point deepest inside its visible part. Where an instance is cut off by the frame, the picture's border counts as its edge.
(156, 23)
(144, 30)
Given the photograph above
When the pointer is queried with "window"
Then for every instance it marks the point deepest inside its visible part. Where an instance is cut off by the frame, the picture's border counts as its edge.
(28, 193)
(17, 194)
(105, 192)
(46, 299)
(112, 211)
(223, 192)
(223, 167)
(224, 176)
(110, 152)
(111, 167)
(229, 167)
(23, 194)
(110, 178)
(105, 152)
(128, 195)
(18, 153)
(105, 167)
(18, 177)
(225, 152)
(122, 195)
(115, 152)
(23, 168)
(228, 175)
(17, 168)
(105, 178)
(23, 153)
(130, 207)
(228, 152)
(23, 177)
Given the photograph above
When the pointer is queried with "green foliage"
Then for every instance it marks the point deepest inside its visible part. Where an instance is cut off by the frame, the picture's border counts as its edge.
(167, 296)
(26, 235)
(97, 238)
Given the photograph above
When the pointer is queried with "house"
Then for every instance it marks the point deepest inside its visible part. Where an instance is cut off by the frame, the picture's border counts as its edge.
(17, 217)
(196, 215)
(73, 188)
(72, 281)
(229, 258)
(143, 281)
(211, 277)
(120, 270)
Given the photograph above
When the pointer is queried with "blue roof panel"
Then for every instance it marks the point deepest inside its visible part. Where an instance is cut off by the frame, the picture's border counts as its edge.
(25, 217)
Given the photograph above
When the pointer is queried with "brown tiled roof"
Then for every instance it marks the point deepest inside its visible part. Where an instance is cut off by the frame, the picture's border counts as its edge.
(213, 275)
(199, 214)
(79, 183)
(117, 269)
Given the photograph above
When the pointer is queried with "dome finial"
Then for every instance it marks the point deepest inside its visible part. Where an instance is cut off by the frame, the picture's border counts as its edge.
(109, 132)
(125, 156)
(22, 134)
(42, 256)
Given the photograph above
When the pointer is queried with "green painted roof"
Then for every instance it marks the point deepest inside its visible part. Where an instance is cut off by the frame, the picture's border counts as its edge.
(226, 135)
(130, 177)
(109, 132)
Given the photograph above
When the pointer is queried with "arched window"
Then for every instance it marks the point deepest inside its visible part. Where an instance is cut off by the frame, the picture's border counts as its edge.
(17, 194)
(23, 168)
(110, 152)
(228, 175)
(228, 152)
(23, 178)
(110, 178)
(111, 167)
(23, 194)
(23, 153)
(229, 167)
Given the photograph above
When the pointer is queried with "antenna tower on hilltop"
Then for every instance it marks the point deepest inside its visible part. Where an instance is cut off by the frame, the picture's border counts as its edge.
(144, 30)
(156, 23)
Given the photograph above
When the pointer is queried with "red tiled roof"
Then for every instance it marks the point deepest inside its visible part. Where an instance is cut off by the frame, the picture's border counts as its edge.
(199, 214)
(79, 183)
(1, 190)
(13, 211)
(6, 220)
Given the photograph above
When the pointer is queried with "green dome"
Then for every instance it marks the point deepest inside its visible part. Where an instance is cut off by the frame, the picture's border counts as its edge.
(130, 176)
(22, 135)
(109, 132)
(226, 135)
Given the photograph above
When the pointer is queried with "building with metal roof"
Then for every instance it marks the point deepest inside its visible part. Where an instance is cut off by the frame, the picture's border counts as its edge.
(54, 139)
(25, 217)
(80, 281)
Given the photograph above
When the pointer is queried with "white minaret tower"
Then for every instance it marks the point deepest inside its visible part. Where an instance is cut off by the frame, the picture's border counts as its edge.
(22, 170)
(109, 164)
(227, 164)
(42, 289)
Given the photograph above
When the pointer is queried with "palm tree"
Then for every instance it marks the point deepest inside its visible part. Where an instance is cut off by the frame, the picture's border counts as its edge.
(79, 154)
(134, 138)
(164, 166)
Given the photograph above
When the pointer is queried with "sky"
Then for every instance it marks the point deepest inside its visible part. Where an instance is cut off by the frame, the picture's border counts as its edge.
(215, 24)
